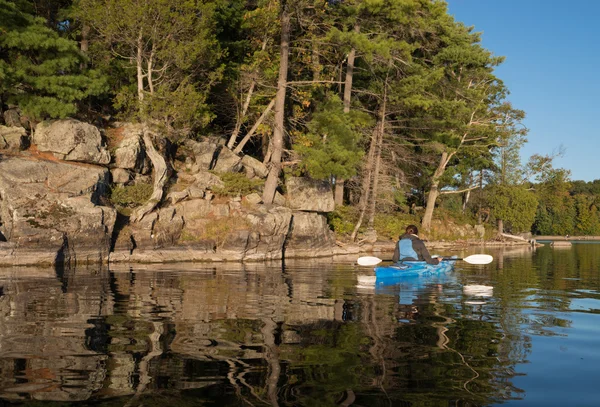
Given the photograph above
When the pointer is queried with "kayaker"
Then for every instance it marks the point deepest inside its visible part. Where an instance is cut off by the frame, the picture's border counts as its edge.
(410, 247)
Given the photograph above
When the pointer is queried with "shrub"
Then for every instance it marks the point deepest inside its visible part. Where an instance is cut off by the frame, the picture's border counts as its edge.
(237, 183)
(216, 229)
(342, 220)
(131, 196)
(391, 226)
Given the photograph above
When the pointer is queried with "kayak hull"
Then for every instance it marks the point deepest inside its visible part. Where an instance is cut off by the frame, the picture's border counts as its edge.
(413, 269)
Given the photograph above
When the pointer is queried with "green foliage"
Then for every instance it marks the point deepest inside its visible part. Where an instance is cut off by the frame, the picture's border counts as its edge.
(40, 72)
(167, 53)
(342, 220)
(557, 211)
(236, 184)
(391, 226)
(515, 205)
(387, 225)
(331, 145)
(587, 220)
(130, 196)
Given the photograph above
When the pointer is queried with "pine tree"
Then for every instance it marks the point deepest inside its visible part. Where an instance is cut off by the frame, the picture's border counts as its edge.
(40, 70)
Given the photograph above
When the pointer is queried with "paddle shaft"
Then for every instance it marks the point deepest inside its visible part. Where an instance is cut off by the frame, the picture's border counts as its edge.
(473, 259)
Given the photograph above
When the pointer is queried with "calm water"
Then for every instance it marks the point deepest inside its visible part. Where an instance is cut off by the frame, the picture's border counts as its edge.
(523, 331)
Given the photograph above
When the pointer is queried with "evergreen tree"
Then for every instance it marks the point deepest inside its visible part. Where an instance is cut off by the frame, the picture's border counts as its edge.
(331, 145)
(40, 70)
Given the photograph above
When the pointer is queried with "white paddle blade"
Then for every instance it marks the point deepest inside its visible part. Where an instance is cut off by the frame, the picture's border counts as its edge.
(475, 290)
(368, 261)
(479, 259)
(366, 280)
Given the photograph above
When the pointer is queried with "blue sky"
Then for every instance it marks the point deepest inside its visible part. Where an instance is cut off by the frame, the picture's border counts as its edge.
(552, 70)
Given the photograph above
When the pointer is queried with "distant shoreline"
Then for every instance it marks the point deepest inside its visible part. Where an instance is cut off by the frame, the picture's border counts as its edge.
(565, 238)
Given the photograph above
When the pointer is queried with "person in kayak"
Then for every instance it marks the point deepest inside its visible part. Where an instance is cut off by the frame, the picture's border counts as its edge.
(410, 247)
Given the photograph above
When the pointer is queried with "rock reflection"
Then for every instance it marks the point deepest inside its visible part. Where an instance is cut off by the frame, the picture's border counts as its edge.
(123, 332)
(236, 333)
(44, 332)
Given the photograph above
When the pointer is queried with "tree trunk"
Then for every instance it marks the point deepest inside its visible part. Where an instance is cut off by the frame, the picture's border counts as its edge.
(161, 176)
(272, 359)
(366, 184)
(240, 146)
(466, 200)
(140, 73)
(433, 191)
(338, 196)
(500, 228)
(349, 76)
(84, 45)
(275, 161)
(378, 148)
(479, 221)
(339, 184)
(373, 202)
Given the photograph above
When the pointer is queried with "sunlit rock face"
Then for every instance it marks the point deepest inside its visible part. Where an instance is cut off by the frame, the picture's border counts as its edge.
(49, 212)
(309, 234)
(304, 194)
(71, 140)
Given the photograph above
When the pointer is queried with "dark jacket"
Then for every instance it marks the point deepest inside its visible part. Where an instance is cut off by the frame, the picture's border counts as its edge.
(418, 246)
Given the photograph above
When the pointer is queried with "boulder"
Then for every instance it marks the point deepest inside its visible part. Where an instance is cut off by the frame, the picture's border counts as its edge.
(310, 236)
(257, 167)
(71, 140)
(130, 153)
(203, 152)
(120, 176)
(12, 118)
(204, 180)
(279, 199)
(49, 212)
(177, 196)
(267, 233)
(13, 138)
(193, 209)
(305, 194)
(227, 161)
(253, 198)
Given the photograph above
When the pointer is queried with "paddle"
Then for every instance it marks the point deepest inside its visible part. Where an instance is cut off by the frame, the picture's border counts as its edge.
(473, 259)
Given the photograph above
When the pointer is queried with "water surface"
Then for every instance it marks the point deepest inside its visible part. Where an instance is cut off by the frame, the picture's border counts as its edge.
(521, 331)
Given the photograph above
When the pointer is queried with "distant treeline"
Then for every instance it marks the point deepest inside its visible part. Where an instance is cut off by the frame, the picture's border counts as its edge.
(393, 101)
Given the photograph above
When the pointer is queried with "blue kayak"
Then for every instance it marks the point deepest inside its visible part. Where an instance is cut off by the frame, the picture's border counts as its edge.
(412, 269)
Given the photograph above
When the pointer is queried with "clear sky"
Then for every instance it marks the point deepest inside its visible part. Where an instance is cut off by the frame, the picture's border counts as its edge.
(552, 69)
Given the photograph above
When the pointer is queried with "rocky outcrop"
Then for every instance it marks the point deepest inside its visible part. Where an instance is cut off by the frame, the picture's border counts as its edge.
(203, 154)
(12, 118)
(49, 213)
(71, 140)
(53, 210)
(253, 167)
(305, 194)
(227, 161)
(309, 234)
(13, 138)
(201, 230)
(129, 153)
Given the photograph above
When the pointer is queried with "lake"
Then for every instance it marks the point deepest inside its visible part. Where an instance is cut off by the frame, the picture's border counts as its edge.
(523, 331)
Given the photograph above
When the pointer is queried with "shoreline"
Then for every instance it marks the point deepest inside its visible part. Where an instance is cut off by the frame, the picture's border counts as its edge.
(181, 254)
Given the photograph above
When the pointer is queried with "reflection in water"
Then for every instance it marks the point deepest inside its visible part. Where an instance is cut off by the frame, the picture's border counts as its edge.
(259, 335)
